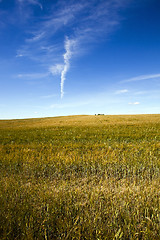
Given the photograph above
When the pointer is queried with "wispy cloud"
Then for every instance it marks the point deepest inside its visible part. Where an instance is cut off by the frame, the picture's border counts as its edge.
(49, 96)
(34, 2)
(56, 69)
(63, 17)
(134, 103)
(142, 77)
(19, 55)
(32, 75)
(83, 22)
(36, 37)
(121, 91)
(142, 92)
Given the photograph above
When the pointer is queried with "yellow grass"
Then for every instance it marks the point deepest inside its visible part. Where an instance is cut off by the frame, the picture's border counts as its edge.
(80, 177)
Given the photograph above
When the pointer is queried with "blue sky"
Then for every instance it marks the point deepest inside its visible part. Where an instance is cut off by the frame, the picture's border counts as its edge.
(66, 57)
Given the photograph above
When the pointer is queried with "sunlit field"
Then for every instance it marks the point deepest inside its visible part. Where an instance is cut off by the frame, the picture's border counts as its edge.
(80, 177)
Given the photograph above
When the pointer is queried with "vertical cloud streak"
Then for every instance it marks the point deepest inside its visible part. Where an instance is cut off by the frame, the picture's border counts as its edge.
(69, 46)
(86, 22)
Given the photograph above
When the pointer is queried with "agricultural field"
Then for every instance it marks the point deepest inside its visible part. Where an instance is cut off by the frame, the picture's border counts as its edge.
(80, 177)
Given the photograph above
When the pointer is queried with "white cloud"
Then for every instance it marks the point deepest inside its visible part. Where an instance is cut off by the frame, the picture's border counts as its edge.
(85, 21)
(49, 96)
(69, 46)
(141, 92)
(36, 37)
(121, 91)
(56, 20)
(32, 75)
(33, 2)
(142, 77)
(56, 69)
(19, 55)
(134, 103)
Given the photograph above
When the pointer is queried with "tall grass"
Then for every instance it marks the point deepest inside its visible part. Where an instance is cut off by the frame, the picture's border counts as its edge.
(80, 177)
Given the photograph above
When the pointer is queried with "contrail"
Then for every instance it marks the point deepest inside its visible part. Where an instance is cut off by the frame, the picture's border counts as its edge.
(142, 77)
(69, 45)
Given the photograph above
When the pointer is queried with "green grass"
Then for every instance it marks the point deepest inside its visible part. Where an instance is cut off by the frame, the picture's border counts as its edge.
(80, 177)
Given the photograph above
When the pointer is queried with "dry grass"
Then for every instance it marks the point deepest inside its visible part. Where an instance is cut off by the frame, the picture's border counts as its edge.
(80, 177)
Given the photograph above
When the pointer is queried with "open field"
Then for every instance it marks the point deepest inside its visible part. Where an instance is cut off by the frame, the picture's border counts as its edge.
(80, 177)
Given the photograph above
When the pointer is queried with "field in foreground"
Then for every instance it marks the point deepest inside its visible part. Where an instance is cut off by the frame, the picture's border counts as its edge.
(80, 177)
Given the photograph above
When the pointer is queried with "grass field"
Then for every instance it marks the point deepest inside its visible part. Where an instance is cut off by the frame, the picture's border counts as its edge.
(80, 177)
